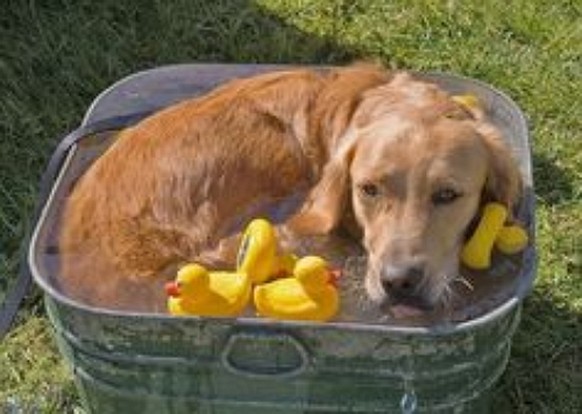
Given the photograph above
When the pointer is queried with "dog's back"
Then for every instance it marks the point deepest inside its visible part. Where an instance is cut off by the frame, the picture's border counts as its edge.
(172, 186)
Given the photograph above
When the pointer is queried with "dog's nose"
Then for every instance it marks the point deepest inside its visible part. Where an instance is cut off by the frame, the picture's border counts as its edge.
(402, 281)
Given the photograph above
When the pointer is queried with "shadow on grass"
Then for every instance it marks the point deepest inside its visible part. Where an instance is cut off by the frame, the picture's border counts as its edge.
(552, 184)
(545, 368)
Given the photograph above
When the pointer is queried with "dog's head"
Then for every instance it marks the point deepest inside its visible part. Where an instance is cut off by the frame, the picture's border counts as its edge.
(414, 166)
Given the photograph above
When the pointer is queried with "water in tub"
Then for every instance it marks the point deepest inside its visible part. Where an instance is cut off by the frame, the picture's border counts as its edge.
(473, 294)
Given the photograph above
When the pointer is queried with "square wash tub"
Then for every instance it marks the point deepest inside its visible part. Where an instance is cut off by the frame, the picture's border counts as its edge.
(145, 363)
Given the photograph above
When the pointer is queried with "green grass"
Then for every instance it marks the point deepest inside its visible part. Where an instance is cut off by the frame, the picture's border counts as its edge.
(56, 55)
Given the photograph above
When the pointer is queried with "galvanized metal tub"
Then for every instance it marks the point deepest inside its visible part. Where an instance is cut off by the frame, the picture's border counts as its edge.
(144, 363)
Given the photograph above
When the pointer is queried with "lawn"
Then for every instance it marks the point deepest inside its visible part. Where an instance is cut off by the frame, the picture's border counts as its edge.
(57, 55)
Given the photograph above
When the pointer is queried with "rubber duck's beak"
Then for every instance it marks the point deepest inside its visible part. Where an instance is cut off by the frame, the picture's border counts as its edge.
(334, 275)
(172, 289)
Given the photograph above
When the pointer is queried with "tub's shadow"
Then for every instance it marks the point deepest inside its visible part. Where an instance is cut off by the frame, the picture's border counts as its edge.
(545, 366)
(553, 185)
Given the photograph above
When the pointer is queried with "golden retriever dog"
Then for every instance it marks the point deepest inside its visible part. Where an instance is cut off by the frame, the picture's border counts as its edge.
(393, 159)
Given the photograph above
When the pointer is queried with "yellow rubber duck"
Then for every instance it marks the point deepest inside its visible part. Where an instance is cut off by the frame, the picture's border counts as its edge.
(511, 239)
(491, 231)
(258, 256)
(309, 295)
(196, 291)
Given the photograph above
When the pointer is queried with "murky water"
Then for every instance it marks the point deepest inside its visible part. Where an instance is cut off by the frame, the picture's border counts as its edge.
(482, 292)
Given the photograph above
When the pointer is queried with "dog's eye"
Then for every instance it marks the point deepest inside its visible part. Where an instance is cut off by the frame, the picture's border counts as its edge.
(369, 190)
(445, 196)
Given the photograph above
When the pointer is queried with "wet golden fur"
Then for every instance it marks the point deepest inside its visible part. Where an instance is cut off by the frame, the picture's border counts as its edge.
(176, 184)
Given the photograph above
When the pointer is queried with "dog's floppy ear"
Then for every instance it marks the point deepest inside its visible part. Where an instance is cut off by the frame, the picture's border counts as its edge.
(326, 202)
(504, 181)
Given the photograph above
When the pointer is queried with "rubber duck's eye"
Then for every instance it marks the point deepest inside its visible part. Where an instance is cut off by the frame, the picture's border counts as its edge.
(445, 196)
(369, 190)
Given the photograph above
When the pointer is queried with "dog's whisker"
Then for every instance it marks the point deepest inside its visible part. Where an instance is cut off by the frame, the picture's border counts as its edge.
(462, 280)
(449, 294)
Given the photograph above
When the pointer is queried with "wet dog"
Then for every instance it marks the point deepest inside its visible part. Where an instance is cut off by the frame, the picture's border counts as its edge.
(394, 159)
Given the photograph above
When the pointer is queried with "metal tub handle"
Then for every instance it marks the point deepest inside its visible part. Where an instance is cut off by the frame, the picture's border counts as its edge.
(264, 355)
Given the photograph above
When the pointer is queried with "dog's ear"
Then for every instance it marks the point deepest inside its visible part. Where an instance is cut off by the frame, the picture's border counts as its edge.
(326, 203)
(504, 182)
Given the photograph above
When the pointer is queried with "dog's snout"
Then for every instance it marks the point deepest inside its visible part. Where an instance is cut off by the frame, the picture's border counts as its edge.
(402, 281)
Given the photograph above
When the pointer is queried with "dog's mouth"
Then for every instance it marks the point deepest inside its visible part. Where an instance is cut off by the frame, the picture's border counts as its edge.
(407, 308)
(404, 311)
(398, 306)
